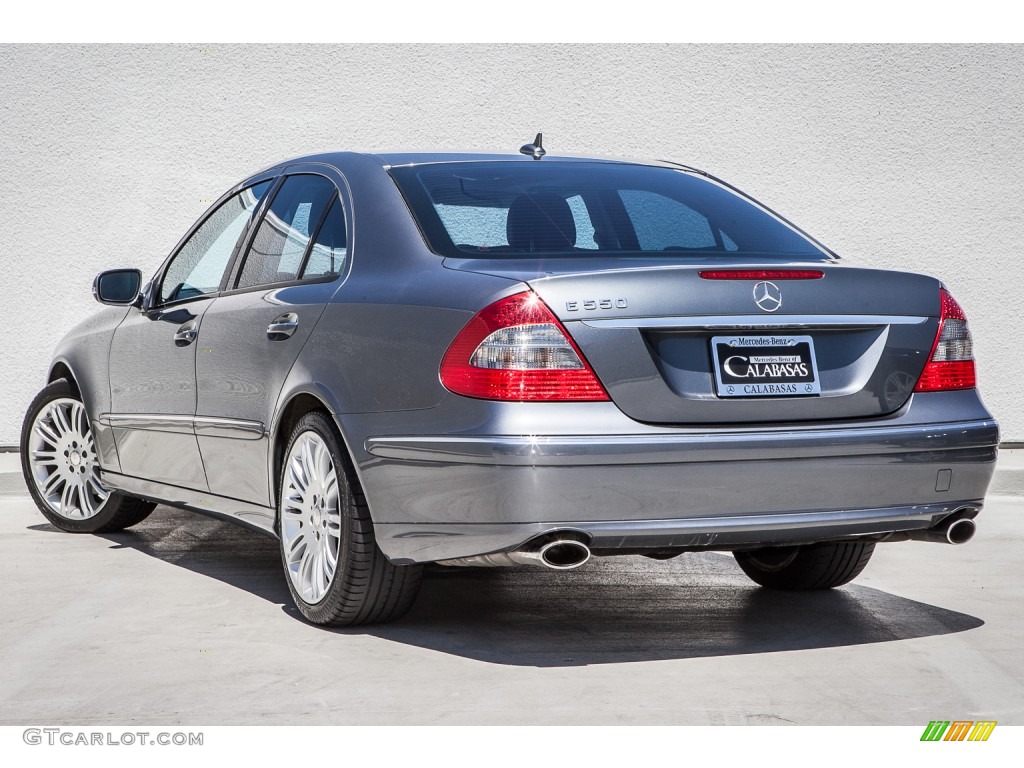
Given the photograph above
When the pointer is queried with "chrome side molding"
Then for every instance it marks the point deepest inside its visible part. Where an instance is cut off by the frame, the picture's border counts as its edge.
(237, 429)
(153, 422)
(204, 426)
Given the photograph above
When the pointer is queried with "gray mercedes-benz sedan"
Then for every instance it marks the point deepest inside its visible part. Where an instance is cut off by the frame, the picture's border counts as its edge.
(500, 360)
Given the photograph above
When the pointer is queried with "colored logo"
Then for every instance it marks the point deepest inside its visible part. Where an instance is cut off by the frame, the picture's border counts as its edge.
(958, 730)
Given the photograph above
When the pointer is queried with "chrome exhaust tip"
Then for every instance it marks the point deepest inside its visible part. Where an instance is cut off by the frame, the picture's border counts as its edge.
(958, 528)
(564, 554)
(560, 554)
(961, 531)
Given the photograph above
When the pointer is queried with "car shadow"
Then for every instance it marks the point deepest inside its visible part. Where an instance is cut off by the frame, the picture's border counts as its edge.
(621, 609)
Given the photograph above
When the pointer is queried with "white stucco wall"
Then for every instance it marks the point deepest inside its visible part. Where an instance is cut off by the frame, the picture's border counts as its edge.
(900, 157)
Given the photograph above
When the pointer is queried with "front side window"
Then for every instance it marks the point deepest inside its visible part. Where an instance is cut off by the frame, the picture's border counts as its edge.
(283, 237)
(515, 209)
(198, 267)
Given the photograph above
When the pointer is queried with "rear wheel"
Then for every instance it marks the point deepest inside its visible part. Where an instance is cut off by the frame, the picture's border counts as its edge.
(59, 462)
(336, 573)
(812, 566)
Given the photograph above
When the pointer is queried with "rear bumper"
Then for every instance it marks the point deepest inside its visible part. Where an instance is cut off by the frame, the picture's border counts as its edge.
(414, 543)
(443, 497)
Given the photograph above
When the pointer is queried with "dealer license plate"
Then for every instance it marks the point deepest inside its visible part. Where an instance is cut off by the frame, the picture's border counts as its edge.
(765, 366)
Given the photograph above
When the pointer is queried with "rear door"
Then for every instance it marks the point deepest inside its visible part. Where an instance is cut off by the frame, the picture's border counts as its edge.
(254, 331)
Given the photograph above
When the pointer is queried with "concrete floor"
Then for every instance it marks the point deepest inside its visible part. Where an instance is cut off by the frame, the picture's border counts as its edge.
(186, 620)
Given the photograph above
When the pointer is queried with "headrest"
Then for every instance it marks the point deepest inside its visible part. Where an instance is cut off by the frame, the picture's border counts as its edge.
(541, 222)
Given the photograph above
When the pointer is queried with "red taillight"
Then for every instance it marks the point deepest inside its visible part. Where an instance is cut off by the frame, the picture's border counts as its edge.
(516, 349)
(762, 274)
(951, 362)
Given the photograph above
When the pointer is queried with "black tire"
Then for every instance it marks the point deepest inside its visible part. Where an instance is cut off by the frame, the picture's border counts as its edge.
(812, 566)
(117, 512)
(366, 588)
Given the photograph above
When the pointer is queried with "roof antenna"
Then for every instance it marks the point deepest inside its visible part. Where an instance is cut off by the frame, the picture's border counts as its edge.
(535, 150)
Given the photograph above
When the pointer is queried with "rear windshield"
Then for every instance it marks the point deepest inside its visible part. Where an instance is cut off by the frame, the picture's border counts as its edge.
(518, 210)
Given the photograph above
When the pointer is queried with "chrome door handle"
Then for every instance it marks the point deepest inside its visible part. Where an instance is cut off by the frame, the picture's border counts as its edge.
(283, 326)
(186, 334)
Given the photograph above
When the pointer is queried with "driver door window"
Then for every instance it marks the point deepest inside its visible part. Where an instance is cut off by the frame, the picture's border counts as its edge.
(198, 267)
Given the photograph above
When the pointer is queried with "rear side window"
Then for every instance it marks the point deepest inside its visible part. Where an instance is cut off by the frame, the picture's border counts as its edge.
(518, 209)
(330, 247)
(283, 237)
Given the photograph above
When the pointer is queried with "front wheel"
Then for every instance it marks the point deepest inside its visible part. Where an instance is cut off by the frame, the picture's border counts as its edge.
(61, 468)
(336, 573)
(812, 566)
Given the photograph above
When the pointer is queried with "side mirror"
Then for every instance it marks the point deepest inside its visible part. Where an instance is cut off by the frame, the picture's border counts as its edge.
(119, 287)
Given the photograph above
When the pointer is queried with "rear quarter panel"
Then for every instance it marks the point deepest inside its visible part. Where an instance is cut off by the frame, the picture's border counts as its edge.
(379, 343)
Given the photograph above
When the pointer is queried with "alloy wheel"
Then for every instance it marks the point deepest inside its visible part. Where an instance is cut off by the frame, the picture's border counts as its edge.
(310, 517)
(62, 454)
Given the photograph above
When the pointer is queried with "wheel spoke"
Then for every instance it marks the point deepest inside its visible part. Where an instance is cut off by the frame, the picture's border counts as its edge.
(318, 565)
(297, 476)
(85, 500)
(51, 483)
(292, 547)
(78, 421)
(333, 518)
(44, 458)
(331, 557)
(306, 462)
(100, 492)
(331, 485)
(46, 431)
(60, 419)
(306, 572)
(323, 465)
(65, 499)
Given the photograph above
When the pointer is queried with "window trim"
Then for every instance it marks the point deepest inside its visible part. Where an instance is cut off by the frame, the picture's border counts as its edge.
(229, 285)
(156, 284)
(335, 198)
(243, 243)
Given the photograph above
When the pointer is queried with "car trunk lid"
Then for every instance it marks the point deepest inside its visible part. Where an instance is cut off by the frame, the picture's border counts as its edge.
(672, 346)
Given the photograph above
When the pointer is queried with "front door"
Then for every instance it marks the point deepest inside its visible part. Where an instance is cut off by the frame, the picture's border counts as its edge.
(153, 352)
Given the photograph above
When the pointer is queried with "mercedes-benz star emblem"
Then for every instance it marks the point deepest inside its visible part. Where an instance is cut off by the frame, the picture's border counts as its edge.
(767, 296)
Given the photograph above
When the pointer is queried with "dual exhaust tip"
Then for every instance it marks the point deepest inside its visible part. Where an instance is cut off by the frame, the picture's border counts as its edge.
(559, 553)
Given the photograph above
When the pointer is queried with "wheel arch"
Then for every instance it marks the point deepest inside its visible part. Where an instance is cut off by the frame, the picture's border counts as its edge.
(293, 407)
(61, 369)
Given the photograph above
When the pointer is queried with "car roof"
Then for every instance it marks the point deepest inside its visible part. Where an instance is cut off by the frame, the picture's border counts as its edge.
(400, 158)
